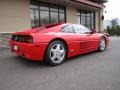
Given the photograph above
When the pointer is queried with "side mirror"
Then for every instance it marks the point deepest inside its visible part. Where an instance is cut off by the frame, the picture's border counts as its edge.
(93, 31)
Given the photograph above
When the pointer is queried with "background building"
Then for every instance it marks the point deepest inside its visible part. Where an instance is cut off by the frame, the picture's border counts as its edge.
(116, 21)
(17, 15)
(107, 23)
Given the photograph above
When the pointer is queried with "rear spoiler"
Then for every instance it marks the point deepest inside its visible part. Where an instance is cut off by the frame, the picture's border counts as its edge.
(49, 26)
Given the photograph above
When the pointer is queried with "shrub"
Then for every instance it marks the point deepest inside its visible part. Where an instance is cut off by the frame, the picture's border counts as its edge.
(114, 30)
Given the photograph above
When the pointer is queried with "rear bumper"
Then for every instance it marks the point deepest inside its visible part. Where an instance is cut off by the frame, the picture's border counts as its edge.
(29, 51)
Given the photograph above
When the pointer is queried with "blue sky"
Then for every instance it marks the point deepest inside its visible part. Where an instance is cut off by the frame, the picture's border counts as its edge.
(113, 9)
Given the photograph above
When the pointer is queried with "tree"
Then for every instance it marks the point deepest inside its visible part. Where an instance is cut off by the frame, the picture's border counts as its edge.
(108, 30)
(113, 30)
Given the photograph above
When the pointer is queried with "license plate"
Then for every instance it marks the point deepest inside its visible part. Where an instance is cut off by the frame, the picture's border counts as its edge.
(15, 47)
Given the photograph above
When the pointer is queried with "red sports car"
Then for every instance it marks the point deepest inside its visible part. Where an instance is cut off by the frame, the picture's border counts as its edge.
(54, 43)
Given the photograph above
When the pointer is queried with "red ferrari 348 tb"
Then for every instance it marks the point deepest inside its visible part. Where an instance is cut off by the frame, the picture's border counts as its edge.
(56, 42)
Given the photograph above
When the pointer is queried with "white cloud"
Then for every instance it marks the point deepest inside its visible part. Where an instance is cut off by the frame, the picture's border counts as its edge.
(113, 9)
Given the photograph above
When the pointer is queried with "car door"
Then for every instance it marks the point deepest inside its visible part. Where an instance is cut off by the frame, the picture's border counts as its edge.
(69, 35)
(87, 41)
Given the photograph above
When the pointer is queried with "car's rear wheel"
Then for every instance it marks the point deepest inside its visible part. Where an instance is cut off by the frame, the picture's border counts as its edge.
(102, 45)
(56, 53)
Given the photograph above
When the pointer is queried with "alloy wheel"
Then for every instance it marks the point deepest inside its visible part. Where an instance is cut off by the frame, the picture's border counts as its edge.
(102, 44)
(57, 53)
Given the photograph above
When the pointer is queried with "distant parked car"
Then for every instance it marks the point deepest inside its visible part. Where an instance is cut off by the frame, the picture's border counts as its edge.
(56, 42)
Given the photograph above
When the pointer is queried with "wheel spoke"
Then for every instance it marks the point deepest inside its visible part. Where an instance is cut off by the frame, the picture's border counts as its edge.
(53, 57)
(58, 47)
(58, 57)
(53, 50)
(62, 52)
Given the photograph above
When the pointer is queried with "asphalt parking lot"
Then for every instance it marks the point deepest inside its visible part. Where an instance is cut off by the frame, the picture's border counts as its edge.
(92, 71)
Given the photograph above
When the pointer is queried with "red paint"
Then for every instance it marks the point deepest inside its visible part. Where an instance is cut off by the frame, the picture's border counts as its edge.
(76, 43)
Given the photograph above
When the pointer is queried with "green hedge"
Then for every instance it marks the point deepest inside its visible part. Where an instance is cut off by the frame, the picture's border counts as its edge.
(114, 30)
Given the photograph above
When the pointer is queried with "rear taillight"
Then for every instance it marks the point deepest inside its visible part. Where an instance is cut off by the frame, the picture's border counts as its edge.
(22, 38)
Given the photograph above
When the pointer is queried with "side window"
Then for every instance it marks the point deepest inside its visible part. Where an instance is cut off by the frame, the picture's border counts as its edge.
(80, 29)
(68, 29)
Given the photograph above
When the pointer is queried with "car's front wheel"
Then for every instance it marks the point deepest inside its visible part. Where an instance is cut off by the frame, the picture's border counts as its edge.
(56, 53)
(102, 45)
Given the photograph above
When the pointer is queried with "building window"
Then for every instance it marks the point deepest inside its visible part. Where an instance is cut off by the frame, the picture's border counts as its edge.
(46, 13)
(86, 18)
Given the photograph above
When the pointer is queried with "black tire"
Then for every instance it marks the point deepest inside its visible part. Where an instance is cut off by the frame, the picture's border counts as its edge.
(49, 57)
(102, 47)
